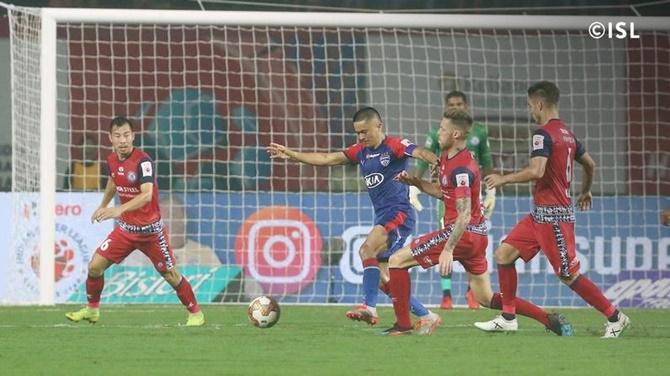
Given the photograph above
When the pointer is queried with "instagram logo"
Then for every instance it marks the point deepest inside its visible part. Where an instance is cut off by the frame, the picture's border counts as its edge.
(279, 247)
(351, 266)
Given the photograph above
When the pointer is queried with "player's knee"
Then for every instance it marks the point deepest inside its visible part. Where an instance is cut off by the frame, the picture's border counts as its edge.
(367, 251)
(505, 254)
(95, 270)
(500, 257)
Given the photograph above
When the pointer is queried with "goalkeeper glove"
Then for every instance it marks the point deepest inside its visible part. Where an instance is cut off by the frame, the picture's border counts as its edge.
(489, 202)
(414, 198)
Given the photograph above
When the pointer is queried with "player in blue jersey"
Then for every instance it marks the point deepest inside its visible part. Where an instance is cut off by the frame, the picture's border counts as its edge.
(381, 158)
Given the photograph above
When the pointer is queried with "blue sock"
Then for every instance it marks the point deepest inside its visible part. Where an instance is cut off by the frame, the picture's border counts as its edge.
(416, 307)
(371, 278)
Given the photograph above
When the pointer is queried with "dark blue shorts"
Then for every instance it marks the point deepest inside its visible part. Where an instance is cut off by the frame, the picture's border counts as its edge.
(399, 226)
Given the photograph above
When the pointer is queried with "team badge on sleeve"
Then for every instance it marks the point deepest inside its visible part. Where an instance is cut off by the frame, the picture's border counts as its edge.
(538, 142)
(406, 142)
(463, 180)
(146, 169)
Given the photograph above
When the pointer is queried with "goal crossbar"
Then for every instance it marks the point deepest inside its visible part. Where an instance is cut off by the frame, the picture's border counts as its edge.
(324, 19)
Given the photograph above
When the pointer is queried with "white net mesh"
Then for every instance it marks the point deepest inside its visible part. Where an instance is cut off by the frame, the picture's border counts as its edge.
(207, 99)
(23, 256)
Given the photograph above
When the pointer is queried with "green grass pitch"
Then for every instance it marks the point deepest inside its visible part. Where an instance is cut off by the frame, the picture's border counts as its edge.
(148, 339)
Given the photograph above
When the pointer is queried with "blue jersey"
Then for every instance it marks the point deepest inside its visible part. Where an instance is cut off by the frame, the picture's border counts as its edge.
(379, 166)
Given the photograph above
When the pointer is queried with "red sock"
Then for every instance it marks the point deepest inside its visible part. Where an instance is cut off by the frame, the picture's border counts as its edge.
(186, 296)
(523, 307)
(592, 295)
(507, 278)
(400, 290)
(386, 288)
(94, 288)
(528, 309)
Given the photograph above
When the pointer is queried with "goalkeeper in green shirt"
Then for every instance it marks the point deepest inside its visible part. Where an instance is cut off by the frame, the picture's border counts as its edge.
(478, 144)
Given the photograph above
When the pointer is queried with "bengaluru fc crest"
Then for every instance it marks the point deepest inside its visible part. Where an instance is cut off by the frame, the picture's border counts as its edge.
(385, 159)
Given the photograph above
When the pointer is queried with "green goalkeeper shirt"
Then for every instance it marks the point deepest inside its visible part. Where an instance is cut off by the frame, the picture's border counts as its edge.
(477, 143)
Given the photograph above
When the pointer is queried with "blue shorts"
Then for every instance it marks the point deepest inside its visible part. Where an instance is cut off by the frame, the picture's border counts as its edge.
(399, 226)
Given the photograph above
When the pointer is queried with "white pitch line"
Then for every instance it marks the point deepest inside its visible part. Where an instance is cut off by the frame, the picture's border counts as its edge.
(87, 325)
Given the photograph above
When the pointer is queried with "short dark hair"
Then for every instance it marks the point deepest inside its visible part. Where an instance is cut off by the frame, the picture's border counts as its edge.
(120, 121)
(459, 118)
(455, 94)
(546, 90)
(366, 114)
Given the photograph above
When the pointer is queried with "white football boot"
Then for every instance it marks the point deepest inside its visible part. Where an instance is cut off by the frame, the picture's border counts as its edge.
(498, 324)
(614, 329)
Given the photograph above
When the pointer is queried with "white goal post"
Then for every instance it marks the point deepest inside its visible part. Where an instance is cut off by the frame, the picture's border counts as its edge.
(503, 30)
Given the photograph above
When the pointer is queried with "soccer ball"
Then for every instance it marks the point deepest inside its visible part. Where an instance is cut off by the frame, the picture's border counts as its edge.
(263, 312)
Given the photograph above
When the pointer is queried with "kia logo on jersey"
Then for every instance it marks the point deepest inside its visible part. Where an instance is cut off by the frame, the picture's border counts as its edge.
(374, 180)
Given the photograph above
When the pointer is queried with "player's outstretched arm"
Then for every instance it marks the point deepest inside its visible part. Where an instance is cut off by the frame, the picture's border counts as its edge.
(585, 199)
(425, 186)
(464, 213)
(425, 155)
(432, 144)
(533, 171)
(278, 151)
(422, 165)
(110, 191)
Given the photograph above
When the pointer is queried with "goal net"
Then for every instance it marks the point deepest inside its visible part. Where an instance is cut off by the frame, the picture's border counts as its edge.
(208, 91)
